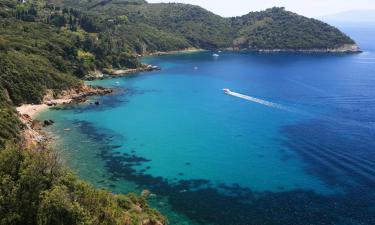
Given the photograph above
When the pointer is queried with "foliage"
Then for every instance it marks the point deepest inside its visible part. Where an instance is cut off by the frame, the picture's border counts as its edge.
(273, 28)
(199, 27)
(9, 124)
(276, 28)
(35, 189)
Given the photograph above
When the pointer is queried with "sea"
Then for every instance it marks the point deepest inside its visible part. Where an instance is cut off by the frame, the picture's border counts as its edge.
(291, 143)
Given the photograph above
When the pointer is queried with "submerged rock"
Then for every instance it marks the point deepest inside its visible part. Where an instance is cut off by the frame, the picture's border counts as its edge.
(48, 123)
(146, 193)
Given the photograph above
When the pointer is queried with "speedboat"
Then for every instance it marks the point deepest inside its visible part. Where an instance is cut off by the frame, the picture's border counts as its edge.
(215, 55)
(226, 91)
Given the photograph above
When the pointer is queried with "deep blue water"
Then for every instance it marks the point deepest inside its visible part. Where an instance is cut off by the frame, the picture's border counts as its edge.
(306, 156)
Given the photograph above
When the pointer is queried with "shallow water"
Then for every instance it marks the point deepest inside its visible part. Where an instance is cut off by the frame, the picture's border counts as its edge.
(213, 158)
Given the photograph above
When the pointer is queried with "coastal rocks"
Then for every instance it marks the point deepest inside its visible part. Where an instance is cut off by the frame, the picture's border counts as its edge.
(82, 92)
(48, 123)
(146, 193)
(111, 73)
(181, 51)
(149, 222)
(78, 94)
(346, 48)
(51, 104)
(32, 134)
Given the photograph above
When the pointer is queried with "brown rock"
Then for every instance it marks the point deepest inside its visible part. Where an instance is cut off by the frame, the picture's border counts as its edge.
(146, 193)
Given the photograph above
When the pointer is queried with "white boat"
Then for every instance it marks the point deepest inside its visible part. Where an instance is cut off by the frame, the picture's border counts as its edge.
(215, 55)
(226, 91)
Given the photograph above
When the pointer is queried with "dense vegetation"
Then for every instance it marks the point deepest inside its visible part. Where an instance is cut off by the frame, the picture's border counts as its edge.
(35, 189)
(193, 24)
(279, 29)
(274, 28)
(9, 124)
(43, 47)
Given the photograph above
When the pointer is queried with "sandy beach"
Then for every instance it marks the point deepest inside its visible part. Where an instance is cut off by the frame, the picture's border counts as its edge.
(33, 110)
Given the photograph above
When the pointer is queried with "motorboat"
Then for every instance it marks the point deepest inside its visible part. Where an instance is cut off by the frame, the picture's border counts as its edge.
(226, 91)
(215, 55)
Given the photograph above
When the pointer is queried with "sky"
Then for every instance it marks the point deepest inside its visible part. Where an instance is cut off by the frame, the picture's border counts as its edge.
(309, 8)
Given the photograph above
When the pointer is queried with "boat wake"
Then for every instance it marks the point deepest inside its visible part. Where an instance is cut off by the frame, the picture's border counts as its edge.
(256, 100)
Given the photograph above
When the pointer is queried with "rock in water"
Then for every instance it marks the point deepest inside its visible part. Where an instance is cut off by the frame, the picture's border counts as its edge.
(145, 193)
(48, 123)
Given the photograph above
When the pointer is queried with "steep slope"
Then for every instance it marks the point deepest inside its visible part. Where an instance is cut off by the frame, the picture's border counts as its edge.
(198, 26)
(34, 58)
(192, 26)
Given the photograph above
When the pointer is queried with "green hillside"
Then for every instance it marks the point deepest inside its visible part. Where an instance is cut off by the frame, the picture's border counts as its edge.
(197, 26)
(279, 29)
(273, 28)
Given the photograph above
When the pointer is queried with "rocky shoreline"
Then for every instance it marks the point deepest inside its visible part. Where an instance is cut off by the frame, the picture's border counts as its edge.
(32, 134)
(113, 73)
(182, 51)
(349, 48)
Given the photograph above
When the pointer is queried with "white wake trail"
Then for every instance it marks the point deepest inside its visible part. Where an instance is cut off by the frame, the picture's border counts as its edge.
(257, 100)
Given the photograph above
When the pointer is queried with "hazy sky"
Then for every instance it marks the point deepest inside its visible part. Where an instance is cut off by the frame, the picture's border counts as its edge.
(310, 8)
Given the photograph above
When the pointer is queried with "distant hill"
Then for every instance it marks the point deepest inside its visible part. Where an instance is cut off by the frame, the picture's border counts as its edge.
(272, 29)
(351, 16)
(278, 29)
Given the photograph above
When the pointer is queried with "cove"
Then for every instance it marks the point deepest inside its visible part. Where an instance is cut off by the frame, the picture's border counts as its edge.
(212, 158)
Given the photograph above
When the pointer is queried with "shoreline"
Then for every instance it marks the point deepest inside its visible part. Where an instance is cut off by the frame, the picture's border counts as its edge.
(182, 51)
(115, 73)
(32, 134)
(345, 49)
(32, 110)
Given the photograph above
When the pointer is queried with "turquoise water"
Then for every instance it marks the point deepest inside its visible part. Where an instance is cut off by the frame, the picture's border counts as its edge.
(301, 153)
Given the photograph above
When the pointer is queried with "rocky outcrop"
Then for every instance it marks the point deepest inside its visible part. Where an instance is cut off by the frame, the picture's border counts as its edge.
(32, 134)
(76, 94)
(347, 48)
(111, 73)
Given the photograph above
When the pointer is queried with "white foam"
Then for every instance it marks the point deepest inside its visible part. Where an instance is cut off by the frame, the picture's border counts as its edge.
(257, 100)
